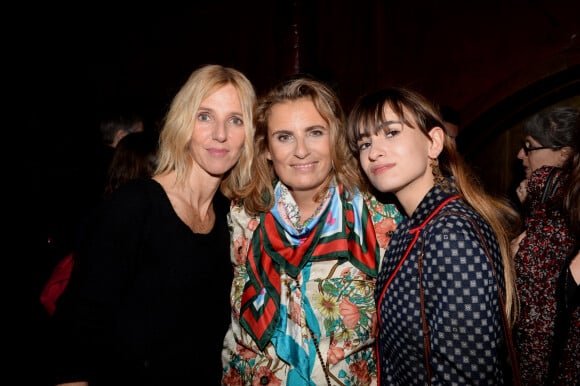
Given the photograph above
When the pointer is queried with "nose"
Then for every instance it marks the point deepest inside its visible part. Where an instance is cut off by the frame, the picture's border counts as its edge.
(375, 152)
(219, 132)
(301, 150)
(521, 154)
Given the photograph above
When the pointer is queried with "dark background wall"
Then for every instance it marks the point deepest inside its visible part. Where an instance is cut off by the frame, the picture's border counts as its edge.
(496, 61)
(470, 55)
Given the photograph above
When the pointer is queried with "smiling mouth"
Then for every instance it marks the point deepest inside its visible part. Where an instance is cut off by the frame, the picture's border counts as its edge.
(304, 166)
(218, 152)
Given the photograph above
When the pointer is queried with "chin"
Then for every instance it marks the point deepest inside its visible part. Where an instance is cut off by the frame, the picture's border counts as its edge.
(219, 168)
(218, 172)
(381, 186)
(385, 189)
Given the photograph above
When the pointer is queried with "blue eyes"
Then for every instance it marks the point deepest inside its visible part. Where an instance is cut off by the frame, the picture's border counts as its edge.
(207, 117)
(203, 117)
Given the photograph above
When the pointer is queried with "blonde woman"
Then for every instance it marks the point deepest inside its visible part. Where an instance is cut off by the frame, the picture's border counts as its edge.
(147, 301)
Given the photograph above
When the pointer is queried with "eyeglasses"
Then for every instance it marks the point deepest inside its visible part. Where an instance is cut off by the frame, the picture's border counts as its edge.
(527, 149)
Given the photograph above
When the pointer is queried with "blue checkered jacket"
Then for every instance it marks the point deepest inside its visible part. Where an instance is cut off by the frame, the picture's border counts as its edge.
(461, 300)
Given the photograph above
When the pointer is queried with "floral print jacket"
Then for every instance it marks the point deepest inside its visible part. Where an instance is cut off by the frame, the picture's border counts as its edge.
(326, 330)
(539, 261)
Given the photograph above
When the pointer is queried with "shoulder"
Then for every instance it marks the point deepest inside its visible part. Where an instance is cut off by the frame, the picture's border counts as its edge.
(221, 204)
(134, 195)
(461, 221)
(460, 236)
(138, 186)
(546, 185)
(382, 208)
(241, 226)
(129, 205)
(540, 175)
(239, 220)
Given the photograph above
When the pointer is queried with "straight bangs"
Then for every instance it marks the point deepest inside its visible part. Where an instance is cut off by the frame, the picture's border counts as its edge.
(368, 114)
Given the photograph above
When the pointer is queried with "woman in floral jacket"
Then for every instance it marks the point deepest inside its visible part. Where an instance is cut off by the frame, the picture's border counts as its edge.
(306, 245)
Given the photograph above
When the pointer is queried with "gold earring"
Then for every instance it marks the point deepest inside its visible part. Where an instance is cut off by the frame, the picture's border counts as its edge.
(438, 177)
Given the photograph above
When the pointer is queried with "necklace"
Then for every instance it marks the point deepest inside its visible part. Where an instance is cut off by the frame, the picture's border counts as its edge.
(324, 365)
(293, 211)
(315, 340)
(318, 353)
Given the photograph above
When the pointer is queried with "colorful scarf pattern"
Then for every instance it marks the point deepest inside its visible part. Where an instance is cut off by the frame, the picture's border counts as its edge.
(343, 230)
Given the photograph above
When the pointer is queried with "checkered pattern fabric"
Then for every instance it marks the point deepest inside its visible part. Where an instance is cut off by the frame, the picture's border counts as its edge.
(461, 301)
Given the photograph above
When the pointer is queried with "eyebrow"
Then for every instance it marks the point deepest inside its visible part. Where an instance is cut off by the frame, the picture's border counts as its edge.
(317, 127)
(382, 125)
(308, 128)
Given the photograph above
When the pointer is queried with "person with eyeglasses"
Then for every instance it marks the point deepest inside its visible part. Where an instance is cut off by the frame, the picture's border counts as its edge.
(547, 262)
(526, 149)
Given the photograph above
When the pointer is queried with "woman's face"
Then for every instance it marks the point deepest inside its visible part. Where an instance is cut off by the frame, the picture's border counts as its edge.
(396, 159)
(218, 131)
(536, 158)
(299, 146)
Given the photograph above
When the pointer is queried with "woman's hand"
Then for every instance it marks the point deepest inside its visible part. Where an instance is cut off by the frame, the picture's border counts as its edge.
(575, 268)
(515, 243)
(522, 190)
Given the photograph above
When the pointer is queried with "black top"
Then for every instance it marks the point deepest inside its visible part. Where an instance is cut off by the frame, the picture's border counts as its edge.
(148, 299)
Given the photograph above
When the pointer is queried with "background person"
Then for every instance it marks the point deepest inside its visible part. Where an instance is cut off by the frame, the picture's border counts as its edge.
(135, 157)
(112, 128)
(547, 333)
(568, 290)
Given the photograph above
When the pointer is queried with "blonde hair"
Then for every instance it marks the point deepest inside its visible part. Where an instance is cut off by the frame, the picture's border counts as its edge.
(258, 195)
(173, 154)
(406, 104)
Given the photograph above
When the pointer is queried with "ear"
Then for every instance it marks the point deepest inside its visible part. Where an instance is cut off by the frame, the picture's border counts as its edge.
(437, 135)
(267, 154)
(565, 153)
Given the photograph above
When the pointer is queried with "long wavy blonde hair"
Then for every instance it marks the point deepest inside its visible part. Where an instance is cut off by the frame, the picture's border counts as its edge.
(175, 135)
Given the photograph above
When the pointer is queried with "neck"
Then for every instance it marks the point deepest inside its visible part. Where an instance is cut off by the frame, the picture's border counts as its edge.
(200, 189)
(192, 200)
(411, 195)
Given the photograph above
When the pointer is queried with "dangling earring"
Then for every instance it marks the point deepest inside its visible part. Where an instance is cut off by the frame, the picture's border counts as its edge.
(438, 177)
